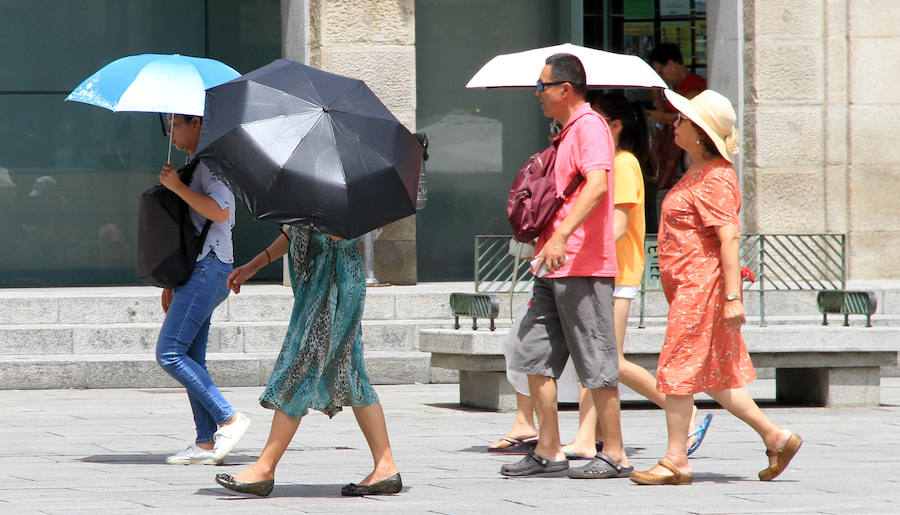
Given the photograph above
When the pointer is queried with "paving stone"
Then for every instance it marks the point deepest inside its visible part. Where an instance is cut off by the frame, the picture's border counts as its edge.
(101, 451)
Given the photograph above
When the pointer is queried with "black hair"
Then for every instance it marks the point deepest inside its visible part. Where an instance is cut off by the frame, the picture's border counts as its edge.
(189, 117)
(665, 52)
(635, 137)
(568, 68)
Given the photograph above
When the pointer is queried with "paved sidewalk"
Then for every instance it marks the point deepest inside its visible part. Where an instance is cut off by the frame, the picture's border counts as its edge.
(101, 451)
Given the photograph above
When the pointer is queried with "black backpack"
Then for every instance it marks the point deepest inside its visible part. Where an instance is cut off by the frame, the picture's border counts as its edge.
(167, 244)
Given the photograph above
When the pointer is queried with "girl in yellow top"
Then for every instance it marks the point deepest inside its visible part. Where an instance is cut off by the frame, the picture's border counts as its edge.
(629, 130)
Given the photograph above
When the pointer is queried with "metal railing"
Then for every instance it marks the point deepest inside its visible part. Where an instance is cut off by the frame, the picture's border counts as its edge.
(794, 262)
(496, 270)
(778, 262)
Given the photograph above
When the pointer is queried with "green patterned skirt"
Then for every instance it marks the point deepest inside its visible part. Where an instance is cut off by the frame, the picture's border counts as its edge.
(320, 365)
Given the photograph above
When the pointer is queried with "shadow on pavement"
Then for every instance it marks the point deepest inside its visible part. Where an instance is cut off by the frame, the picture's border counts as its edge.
(712, 477)
(289, 490)
(483, 449)
(157, 459)
(563, 406)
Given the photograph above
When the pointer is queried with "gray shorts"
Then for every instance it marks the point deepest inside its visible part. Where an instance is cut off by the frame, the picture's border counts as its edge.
(570, 316)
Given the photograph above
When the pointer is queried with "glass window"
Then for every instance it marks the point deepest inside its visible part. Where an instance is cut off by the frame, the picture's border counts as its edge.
(478, 138)
(71, 175)
(637, 26)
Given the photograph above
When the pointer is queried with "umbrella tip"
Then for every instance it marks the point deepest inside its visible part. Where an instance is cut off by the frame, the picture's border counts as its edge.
(324, 109)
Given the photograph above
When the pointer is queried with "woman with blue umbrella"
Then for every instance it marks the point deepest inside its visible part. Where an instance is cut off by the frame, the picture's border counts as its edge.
(177, 84)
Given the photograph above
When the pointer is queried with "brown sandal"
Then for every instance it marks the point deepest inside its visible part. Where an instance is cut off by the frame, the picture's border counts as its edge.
(785, 455)
(677, 478)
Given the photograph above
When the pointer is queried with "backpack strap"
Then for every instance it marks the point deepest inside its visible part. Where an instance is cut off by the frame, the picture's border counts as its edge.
(186, 173)
(573, 185)
(576, 181)
(204, 232)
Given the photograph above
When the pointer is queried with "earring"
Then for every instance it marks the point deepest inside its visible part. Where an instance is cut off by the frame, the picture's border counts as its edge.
(698, 141)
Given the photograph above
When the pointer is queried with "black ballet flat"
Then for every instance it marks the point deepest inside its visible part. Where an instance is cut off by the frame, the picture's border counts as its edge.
(260, 488)
(391, 485)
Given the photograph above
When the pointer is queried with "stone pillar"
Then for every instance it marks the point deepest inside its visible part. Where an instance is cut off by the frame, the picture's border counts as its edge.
(820, 125)
(784, 111)
(372, 40)
(872, 127)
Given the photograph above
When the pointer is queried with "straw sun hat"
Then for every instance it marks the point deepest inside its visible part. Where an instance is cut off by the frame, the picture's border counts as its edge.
(713, 113)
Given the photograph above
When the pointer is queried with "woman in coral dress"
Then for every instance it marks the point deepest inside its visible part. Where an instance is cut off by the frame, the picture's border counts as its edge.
(699, 238)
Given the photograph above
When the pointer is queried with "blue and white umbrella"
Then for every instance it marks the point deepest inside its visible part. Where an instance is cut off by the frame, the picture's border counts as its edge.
(155, 83)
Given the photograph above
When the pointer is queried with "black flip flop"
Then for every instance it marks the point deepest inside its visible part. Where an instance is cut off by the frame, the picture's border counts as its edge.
(533, 464)
(601, 467)
(517, 447)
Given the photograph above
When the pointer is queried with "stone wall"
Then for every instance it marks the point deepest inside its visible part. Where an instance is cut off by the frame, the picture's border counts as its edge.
(373, 40)
(820, 122)
(873, 127)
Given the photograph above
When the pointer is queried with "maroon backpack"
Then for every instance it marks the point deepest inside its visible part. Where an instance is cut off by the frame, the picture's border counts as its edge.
(533, 201)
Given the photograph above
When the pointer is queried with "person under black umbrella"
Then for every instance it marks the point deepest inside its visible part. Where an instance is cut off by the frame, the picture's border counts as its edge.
(320, 152)
(321, 362)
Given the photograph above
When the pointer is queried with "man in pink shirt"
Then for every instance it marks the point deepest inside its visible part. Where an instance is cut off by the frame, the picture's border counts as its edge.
(571, 310)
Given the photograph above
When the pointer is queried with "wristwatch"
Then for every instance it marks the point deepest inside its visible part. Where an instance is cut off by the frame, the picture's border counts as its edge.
(729, 296)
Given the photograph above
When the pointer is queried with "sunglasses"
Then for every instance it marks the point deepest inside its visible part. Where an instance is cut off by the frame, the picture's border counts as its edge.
(678, 119)
(541, 85)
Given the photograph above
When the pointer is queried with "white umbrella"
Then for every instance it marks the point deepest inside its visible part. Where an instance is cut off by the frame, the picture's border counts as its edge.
(5, 180)
(465, 143)
(602, 68)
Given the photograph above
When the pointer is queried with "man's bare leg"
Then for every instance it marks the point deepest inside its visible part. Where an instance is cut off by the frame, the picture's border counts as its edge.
(543, 394)
(606, 400)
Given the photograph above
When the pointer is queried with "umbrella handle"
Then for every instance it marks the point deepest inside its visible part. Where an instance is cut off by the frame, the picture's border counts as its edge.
(169, 157)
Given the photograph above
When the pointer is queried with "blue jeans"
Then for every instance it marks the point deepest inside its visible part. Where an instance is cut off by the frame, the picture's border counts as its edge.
(181, 346)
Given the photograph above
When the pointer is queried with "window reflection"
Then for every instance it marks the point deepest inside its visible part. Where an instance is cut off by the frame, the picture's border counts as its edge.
(478, 138)
(465, 143)
(71, 175)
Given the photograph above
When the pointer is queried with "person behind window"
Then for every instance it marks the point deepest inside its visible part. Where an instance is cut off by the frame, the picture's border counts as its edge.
(666, 59)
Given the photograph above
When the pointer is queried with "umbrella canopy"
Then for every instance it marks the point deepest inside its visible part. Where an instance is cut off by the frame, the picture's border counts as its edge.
(602, 68)
(306, 147)
(153, 83)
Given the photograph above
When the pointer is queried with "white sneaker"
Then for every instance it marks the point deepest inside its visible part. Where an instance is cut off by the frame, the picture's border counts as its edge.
(227, 437)
(193, 455)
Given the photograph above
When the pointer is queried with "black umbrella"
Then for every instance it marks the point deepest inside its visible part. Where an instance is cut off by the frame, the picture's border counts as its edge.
(306, 147)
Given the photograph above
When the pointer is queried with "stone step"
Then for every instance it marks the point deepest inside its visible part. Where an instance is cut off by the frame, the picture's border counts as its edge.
(229, 337)
(227, 369)
(141, 304)
(426, 301)
(777, 303)
(833, 320)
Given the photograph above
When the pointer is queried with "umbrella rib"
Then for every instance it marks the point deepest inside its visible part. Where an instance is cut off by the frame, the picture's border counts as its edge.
(276, 90)
(388, 116)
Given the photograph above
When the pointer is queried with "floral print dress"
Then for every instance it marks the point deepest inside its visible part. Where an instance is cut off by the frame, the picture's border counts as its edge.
(321, 362)
(700, 352)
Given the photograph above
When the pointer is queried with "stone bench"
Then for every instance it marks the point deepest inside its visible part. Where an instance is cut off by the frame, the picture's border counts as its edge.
(814, 365)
